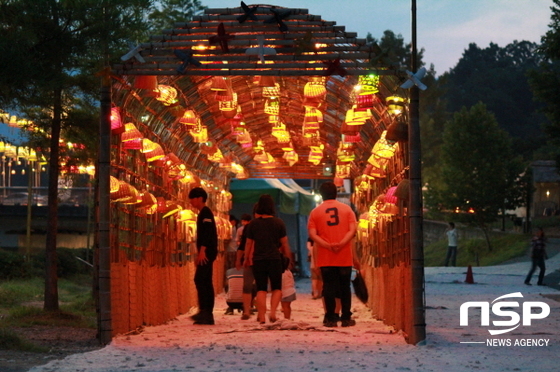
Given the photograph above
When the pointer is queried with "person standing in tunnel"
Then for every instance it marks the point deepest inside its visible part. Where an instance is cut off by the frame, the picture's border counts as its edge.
(332, 226)
(207, 248)
(267, 241)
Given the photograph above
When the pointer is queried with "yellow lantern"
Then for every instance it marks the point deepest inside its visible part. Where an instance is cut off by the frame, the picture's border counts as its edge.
(167, 95)
(315, 154)
(368, 84)
(130, 133)
(189, 118)
(272, 106)
(395, 105)
(291, 157)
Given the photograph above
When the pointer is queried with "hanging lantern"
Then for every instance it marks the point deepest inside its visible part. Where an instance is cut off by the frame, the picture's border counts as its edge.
(147, 200)
(166, 94)
(291, 157)
(134, 196)
(365, 101)
(152, 150)
(343, 170)
(229, 105)
(345, 154)
(186, 215)
(288, 146)
(171, 208)
(355, 118)
(267, 81)
(135, 144)
(279, 131)
(147, 82)
(351, 138)
(395, 105)
(315, 154)
(368, 84)
(116, 121)
(273, 91)
(312, 115)
(189, 118)
(264, 158)
(397, 131)
(245, 140)
(199, 134)
(272, 106)
(224, 95)
(315, 88)
(219, 84)
(131, 133)
(390, 196)
(114, 184)
(384, 148)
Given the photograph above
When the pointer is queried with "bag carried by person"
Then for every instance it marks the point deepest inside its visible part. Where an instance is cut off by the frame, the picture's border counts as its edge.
(360, 288)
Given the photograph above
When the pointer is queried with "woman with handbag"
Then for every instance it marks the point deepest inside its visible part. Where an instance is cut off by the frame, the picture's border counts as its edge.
(266, 242)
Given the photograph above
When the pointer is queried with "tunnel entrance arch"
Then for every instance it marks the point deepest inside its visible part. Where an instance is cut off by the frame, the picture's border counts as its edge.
(225, 96)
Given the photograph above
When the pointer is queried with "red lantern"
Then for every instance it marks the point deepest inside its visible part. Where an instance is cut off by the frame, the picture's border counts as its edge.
(116, 121)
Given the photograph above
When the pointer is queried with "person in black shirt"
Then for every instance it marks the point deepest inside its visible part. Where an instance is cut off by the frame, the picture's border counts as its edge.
(266, 242)
(207, 248)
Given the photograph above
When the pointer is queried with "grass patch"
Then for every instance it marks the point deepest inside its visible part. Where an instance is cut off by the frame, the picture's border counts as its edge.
(26, 316)
(475, 251)
(9, 340)
(22, 301)
(16, 292)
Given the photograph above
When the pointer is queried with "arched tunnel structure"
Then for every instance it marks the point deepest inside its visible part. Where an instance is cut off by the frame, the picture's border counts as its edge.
(223, 97)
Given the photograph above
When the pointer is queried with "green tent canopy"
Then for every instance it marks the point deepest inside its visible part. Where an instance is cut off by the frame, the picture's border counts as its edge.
(288, 195)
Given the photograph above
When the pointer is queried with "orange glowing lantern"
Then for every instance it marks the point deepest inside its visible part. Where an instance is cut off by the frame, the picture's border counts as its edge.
(189, 118)
(167, 95)
(315, 154)
(147, 200)
(273, 91)
(152, 150)
(315, 88)
(199, 134)
(131, 133)
(114, 184)
(343, 170)
(291, 157)
(272, 106)
(135, 144)
(116, 121)
(395, 105)
(219, 83)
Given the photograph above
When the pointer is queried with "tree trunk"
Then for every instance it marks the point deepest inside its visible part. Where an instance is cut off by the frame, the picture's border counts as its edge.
(487, 236)
(51, 277)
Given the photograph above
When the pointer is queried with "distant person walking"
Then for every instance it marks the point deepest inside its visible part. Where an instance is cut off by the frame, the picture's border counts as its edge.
(332, 226)
(451, 245)
(207, 248)
(538, 255)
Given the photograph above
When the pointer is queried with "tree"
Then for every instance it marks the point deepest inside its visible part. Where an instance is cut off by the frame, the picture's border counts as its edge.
(165, 13)
(392, 51)
(498, 77)
(54, 48)
(545, 81)
(478, 170)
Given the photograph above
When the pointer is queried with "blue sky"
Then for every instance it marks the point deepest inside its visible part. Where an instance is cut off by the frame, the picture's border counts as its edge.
(445, 27)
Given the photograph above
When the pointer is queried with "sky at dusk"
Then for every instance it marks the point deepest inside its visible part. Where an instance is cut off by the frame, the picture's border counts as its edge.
(445, 27)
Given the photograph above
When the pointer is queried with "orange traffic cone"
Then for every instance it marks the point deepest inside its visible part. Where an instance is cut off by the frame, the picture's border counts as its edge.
(469, 279)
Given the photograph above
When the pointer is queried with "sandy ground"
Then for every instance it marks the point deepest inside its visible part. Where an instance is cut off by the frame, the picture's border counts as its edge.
(303, 344)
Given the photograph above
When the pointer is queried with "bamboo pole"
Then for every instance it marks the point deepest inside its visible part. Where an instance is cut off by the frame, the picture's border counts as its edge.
(418, 331)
